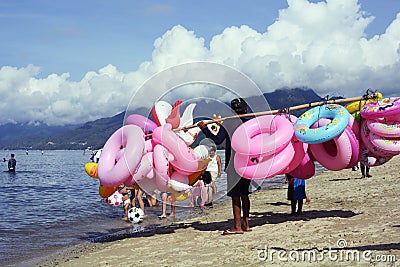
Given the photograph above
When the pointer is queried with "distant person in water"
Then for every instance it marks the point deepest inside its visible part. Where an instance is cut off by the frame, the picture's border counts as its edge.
(12, 163)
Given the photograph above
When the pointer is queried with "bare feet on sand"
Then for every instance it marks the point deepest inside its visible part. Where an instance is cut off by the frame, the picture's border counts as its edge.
(232, 231)
(246, 228)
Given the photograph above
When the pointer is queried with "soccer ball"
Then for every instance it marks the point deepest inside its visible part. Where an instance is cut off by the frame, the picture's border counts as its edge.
(115, 199)
(135, 215)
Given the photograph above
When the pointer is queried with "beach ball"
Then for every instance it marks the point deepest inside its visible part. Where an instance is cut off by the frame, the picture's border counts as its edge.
(115, 199)
(135, 215)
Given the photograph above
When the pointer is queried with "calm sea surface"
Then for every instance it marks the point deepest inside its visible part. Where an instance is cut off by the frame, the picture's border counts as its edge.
(50, 204)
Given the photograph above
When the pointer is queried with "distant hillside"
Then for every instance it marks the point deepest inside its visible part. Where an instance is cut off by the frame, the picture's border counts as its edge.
(23, 136)
(95, 133)
(284, 98)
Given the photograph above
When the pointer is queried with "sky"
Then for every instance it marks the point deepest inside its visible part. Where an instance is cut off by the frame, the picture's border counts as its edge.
(64, 62)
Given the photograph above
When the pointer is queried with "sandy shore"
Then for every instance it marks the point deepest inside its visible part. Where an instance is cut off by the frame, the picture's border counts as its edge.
(360, 216)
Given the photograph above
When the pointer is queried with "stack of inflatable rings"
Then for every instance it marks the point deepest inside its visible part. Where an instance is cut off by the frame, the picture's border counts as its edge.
(265, 146)
(380, 131)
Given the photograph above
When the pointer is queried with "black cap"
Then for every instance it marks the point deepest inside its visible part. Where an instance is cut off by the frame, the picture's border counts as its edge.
(239, 105)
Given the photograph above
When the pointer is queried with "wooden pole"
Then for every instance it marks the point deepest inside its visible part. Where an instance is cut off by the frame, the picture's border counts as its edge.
(275, 111)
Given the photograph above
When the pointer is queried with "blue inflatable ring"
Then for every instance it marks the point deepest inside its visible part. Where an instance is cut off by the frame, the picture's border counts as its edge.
(340, 118)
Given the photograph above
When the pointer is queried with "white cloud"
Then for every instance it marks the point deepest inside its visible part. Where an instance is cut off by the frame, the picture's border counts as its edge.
(319, 45)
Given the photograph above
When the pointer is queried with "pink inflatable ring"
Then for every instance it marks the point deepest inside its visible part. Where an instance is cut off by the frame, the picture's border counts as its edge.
(121, 155)
(264, 135)
(383, 128)
(144, 123)
(384, 108)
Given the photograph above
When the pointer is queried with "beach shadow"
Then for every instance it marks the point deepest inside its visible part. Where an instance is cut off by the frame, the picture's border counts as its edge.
(346, 179)
(256, 219)
(264, 218)
(383, 247)
(279, 203)
(147, 231)
(340, 180)
(212, 226)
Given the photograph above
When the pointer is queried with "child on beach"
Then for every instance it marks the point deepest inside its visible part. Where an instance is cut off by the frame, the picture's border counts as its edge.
(214, 167)
(151, 199)
(164, 198)
(124, 191)
(364, 171)
(137, 195)
(204, 190)
(210, 188)
(296, 193)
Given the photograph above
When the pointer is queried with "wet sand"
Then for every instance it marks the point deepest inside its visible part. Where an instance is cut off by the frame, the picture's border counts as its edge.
(350, 221)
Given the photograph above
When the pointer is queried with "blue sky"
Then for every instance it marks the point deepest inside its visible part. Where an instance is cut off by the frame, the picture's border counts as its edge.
(66, 36)
(62, 60)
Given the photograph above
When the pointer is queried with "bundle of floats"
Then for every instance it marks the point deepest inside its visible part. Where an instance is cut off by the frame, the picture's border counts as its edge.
(157, 155)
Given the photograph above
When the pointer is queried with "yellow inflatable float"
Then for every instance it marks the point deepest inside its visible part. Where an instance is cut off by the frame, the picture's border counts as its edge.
(91, 169)
(357, 105)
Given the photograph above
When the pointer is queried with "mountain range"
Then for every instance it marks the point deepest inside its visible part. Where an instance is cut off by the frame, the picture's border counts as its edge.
(94, 134)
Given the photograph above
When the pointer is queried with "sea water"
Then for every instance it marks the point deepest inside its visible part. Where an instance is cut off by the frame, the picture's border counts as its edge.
(51, 204)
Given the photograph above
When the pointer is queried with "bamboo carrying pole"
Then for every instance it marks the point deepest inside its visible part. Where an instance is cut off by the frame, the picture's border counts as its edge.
(285, 110)
(367, 96)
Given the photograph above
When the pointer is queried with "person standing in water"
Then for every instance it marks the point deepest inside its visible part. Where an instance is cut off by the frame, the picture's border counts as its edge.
(12, 162)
